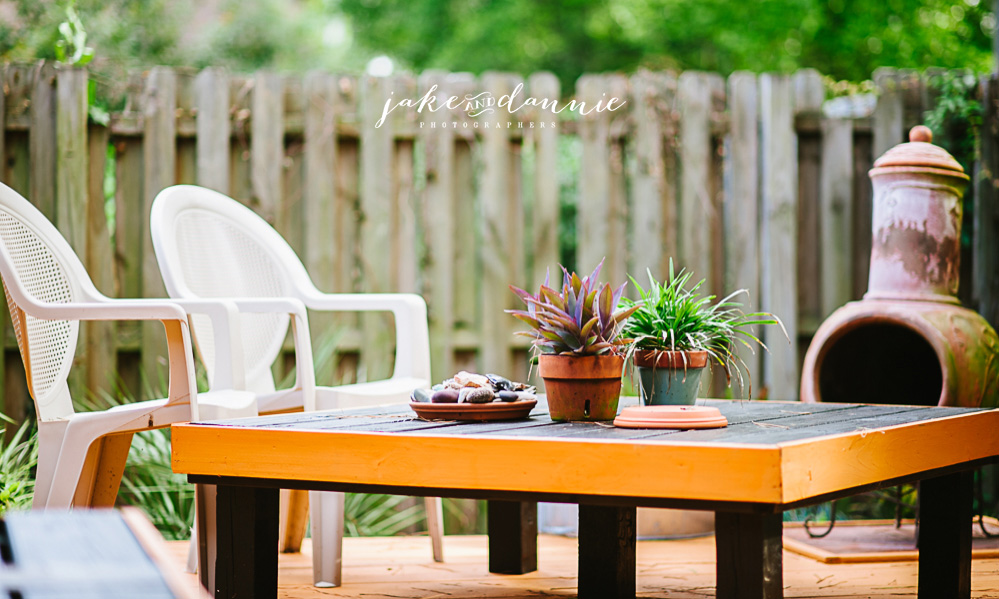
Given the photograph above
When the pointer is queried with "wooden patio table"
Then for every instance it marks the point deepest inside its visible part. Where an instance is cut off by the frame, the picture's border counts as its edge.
(773, 456)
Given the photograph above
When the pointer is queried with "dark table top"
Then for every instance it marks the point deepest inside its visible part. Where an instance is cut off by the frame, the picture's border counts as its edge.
(779, 453)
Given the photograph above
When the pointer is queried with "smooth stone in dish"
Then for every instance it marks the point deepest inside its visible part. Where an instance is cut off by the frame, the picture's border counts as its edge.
(445, 396)
(509, 395)
(479, 395)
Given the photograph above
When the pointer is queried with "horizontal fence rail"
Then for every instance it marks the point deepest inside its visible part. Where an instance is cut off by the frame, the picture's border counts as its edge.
(742, 180)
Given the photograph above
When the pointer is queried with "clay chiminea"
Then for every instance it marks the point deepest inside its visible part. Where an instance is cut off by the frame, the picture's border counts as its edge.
(909, 341)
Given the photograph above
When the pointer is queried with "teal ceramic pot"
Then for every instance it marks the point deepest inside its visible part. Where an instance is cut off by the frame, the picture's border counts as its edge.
(670, 378)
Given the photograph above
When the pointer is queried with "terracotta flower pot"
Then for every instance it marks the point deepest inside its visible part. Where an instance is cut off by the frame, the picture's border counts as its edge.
(582, 388)
(670, 378)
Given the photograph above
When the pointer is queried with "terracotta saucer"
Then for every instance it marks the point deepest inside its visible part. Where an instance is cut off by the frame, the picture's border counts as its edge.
(496, 410)
(679, 417)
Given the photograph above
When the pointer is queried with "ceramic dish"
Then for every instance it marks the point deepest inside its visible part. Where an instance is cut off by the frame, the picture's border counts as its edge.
(496, 410)
(677, 417)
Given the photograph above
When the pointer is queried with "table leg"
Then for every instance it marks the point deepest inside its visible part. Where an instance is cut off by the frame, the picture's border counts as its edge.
(749, 559)
(513, 536)
(945, 536)
(607, 537)
(246, 562)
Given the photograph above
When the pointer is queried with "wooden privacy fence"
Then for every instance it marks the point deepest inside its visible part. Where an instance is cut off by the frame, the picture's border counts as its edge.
(741, 180)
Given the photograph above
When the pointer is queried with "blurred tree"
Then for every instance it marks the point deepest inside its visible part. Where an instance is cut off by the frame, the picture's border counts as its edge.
(847, 39)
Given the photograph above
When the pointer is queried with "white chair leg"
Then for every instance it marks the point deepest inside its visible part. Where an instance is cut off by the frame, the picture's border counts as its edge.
(192, 550)
(435, 525)
(326, 513)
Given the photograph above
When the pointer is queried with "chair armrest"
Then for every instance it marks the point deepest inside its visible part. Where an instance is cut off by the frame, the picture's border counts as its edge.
(228, 372)
(305, 369)
(412, 337)
(105, 309)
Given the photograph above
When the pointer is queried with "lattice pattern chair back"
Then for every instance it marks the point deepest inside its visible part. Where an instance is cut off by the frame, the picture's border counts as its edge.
(37, 259)
(225, 250)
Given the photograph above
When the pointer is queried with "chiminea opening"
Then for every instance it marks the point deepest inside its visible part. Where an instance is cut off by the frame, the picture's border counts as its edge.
(880, 363)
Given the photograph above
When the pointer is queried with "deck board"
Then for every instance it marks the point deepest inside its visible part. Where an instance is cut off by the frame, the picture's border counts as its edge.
(402, 568)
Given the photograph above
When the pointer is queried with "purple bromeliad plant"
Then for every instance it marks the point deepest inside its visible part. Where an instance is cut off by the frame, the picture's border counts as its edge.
(581, 320)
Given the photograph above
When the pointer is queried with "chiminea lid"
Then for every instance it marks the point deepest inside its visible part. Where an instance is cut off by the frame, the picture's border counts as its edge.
(920, 152)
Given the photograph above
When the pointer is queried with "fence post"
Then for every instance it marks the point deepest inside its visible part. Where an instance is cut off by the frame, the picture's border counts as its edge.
(741, 206)
(545, 217)
(377, 149)
(696, 203)
(71, 157)
(159, 162)
(213, 128)
(405, 258)
(267, 144)
(500, 251)
(439, 224)
(985, 277)
(42, 141)
(652, 99)
(321, 239)
(779, 233)
(836, 214)
(99, 259)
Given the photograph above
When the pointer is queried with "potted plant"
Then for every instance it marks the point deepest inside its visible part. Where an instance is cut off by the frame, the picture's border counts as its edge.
(676, 332)
(576, 339)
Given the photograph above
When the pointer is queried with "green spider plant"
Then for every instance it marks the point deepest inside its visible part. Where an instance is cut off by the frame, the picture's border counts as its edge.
(671, 317)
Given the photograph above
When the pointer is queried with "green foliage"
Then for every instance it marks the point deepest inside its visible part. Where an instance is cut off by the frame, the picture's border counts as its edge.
(670, 317)
(150, 484)
(72, 48)
(368, 515)
(18, 458)
(956, 120)
(846, 39)
(579, 321)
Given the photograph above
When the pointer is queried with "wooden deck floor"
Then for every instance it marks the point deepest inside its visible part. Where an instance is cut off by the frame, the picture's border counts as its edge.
(402, 568)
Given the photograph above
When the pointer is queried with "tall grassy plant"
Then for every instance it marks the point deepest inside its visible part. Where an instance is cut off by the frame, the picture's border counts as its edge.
(670, 317)
(18, 459)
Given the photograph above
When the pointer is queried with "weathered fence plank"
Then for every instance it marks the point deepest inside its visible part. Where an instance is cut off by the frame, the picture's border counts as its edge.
(159, 171)
(593, 214)
(71, 172)
(651, 99)
(439, 203)
(377, 151)
(836, 217)
(319, 201)
(779, 234)
(99, 337)
(695, 212)
(267, 143)
(405, 254)
(211, 89)
(545, 217)
(889, 111)
(499, 254)
(809, 94)
(985, 265)
(741, 207)
(42, 139)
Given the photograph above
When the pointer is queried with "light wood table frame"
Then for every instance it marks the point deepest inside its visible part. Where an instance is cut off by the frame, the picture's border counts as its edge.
(772, 457)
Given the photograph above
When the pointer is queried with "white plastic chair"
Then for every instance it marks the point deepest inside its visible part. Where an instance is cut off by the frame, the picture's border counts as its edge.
(81, 456)
(211, 246)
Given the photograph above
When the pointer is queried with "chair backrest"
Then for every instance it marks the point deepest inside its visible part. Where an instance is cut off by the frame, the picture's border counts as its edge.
(209, 245)
(37, 264)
